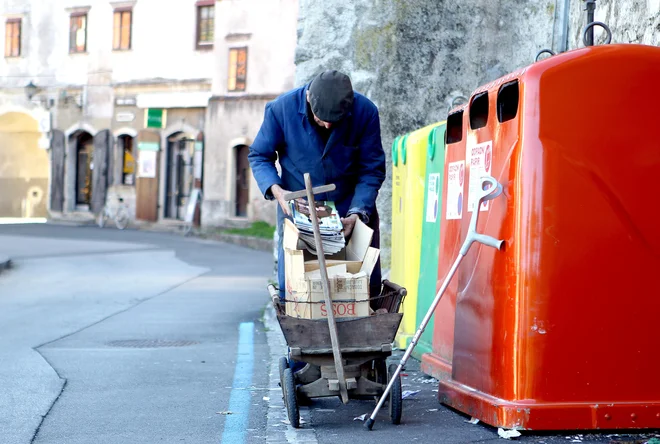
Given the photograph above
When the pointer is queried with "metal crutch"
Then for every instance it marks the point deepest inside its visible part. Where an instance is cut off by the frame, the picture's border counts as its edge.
(491, 192)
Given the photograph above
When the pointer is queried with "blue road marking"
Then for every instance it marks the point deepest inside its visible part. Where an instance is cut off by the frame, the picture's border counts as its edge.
(240, 398)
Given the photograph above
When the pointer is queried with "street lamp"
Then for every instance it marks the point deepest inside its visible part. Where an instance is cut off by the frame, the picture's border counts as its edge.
(30, 90)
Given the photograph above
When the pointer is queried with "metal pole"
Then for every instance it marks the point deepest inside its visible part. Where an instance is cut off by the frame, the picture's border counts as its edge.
(591, 7)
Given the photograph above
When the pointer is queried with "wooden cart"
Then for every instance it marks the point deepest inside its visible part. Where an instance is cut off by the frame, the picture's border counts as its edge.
(365, 344)
(343, 357)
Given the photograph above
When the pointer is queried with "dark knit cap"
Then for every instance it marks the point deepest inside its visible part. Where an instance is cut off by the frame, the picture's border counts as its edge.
(331, 96)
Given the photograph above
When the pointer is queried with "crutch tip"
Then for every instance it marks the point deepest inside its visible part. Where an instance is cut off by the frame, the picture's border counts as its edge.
(369, 425)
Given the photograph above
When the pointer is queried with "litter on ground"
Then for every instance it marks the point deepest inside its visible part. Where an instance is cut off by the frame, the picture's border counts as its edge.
(508, 434)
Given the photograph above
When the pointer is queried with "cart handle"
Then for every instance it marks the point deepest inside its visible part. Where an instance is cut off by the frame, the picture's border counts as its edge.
(395, 287)
(316, 190)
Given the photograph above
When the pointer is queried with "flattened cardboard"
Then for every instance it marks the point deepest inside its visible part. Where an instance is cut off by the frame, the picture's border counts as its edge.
(349, 278)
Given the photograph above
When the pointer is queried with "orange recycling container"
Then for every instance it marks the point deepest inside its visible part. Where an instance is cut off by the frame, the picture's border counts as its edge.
(559, 329)
(438, 362)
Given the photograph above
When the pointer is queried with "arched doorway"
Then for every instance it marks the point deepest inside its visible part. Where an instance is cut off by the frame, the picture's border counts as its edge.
(242, 178)
(24, 167)
(179, 174)
(84, 149)
(127, 155)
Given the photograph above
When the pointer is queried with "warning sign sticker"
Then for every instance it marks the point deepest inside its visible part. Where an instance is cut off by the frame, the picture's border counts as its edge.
(455, 180)
(481, 162)
(433, 198)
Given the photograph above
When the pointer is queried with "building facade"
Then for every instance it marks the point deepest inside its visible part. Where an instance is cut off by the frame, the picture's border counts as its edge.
(138, 103)
(254, 47)
(100, 100)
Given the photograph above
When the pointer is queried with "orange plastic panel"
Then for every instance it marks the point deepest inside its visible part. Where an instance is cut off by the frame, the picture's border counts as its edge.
(559, 330)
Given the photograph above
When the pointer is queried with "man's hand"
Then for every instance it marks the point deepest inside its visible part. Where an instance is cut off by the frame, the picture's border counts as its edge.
(279, 193)
(349, 224)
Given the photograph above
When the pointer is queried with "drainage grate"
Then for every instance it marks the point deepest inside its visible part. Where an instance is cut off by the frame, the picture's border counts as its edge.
(149, 343)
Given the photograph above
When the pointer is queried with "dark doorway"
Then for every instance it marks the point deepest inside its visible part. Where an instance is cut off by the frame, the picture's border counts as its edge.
(127, 150)
(85, 151)
(242, 180)
(179, 170)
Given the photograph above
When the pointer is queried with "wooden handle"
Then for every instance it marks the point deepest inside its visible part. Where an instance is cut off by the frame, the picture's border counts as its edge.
(303, 193)
(325, 283)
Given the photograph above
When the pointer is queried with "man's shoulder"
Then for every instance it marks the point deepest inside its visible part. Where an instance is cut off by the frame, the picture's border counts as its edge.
(363, 106)
(288, 99)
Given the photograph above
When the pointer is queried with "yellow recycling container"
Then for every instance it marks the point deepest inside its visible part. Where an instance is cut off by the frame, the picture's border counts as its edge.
(397, 264)
(407, 233)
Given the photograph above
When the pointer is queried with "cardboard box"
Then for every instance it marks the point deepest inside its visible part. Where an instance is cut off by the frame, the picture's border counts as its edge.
(349, 272)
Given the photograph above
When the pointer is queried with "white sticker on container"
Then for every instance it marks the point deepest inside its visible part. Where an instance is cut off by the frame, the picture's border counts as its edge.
(455, 181)
(433, 198)
(481, 162)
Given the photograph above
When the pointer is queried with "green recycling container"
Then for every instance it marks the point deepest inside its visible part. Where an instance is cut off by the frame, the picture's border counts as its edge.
(430, 246)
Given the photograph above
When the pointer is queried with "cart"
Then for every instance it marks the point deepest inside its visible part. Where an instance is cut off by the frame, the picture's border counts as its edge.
(344, 357)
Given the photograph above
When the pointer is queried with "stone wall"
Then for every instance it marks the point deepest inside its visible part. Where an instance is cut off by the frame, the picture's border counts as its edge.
(414, 57)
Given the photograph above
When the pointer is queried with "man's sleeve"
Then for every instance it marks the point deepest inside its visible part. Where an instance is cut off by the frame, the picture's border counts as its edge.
(371, 172)
(263, 153)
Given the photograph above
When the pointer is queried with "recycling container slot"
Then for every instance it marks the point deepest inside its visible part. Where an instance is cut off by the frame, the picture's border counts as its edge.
(479, 110)
(507, 101)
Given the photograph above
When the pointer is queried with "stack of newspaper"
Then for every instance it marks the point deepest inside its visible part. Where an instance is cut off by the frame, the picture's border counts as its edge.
(330, 225)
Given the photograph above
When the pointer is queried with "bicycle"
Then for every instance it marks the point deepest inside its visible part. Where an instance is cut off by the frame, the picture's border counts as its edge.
(120, 216)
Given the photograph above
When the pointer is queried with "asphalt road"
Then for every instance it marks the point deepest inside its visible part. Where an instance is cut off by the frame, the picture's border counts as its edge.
(138, 337)
(127, 337)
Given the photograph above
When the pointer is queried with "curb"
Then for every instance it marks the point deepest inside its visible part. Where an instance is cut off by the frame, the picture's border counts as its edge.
(5, 263)
(278, 430)
(254, 243)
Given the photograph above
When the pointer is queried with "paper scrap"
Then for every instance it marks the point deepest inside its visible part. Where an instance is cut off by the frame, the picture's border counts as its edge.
(266, 398)
(409, 393)
(473, 420)
(508, 434)
(226, 412)
(285, 421)
(432, 410)
(360, 418)
(428, 381)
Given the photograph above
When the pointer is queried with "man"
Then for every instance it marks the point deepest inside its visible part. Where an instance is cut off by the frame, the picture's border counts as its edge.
(333, 133)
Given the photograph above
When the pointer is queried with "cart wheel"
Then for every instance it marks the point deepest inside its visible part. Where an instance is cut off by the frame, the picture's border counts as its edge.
(290, 398)
(396, 397)
(284, 364)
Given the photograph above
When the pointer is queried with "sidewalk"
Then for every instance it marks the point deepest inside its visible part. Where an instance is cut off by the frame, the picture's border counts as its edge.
(327, 421)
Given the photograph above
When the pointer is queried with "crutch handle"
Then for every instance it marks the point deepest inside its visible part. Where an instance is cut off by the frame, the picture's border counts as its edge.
(490, 189)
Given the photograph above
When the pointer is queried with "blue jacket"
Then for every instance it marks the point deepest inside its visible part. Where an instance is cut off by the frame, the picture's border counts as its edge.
(353, 158)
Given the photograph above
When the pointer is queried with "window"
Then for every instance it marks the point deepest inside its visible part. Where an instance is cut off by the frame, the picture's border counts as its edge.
(121, 40)
(205, 25)
(78, 33)
(13, 38)
(237, 69)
